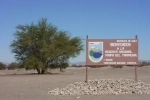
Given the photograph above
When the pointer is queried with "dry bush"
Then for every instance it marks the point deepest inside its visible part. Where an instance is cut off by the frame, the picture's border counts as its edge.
(144, 63)
(2, 66)
(13, 66)
(117, 66)
(74, 65)
(97, 66)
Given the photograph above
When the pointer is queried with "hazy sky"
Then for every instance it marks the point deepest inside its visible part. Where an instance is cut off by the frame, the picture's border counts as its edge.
(95, 18)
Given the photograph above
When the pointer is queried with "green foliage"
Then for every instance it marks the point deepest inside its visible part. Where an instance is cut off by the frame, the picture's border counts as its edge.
(42, 45)
(64, 65)
(2, 66)
(91, 53)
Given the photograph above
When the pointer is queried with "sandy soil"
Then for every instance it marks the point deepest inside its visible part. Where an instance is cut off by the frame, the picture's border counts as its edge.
(36, 87)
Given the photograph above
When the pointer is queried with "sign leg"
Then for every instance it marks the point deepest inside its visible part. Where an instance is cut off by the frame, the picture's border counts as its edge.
(136, 77)
(86, 79)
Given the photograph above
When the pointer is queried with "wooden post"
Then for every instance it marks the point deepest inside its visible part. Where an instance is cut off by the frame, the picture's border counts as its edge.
(136, 76)
(86, 79)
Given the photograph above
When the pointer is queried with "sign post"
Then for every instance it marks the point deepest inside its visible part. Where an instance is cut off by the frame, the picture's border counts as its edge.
(136, 76)
(112, 52)
(86, 65)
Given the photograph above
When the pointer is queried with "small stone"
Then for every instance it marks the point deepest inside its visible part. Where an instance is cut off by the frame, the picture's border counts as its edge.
(104, 86)
(78, 97)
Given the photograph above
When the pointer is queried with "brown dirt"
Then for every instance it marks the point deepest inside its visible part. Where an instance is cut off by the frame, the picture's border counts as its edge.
(36, 87)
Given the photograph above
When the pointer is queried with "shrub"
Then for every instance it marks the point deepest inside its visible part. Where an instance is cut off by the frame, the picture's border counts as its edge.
(2, 66)
(13, 66)
(117, 66)
(74, 65)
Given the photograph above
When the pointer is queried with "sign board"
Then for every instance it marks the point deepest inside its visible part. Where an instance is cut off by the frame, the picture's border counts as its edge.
(112, 52)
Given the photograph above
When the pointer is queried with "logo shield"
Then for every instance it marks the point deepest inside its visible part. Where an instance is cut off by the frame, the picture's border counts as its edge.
(95, 51)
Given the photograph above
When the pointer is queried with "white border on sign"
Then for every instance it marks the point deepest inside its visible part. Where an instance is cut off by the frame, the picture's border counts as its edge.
(102, 51)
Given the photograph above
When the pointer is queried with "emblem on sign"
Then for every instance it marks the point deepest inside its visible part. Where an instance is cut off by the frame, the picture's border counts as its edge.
(95, 51)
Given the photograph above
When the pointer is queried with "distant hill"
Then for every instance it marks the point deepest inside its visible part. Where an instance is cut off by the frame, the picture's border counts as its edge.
(144, 60)
(78, 63)
(95, 50)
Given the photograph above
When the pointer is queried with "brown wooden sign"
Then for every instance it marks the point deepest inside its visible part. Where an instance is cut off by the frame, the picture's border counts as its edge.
(112, 51)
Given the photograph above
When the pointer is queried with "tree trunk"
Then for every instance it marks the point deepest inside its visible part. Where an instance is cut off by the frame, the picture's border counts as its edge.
(61, 69)
(43, 71)
(38, 70)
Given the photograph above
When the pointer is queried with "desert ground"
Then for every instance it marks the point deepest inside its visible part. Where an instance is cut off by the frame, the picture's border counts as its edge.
(36, 87)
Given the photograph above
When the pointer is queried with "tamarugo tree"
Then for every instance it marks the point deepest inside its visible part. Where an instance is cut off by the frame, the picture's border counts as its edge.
(41, 45)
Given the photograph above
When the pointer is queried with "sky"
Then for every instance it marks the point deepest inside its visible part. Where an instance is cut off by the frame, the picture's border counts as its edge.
(98, 19)
(97, 46)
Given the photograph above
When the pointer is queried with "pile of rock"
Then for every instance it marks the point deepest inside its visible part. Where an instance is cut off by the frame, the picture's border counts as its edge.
(104, 86)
